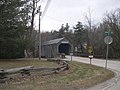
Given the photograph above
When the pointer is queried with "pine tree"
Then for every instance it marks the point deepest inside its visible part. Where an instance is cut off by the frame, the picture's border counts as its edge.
(79, 33)
(13, 27)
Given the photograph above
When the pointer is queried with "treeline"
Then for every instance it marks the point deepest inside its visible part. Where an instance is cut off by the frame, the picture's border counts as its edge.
(17, 31)
(89, 35)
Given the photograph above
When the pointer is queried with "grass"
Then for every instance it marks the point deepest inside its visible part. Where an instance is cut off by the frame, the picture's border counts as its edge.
(25, 62)
(79, 76)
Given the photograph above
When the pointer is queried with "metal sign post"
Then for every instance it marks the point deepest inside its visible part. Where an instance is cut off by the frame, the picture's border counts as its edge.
(107, 56)
(90, 56)
(90, 51)
(108, 40)
(71, 54)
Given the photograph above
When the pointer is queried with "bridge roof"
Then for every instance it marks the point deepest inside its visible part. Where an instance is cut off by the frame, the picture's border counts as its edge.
(54, 41)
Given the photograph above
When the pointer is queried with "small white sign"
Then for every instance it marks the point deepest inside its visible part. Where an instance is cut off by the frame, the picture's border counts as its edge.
(71, 54)
(76, 49)
(91, 56)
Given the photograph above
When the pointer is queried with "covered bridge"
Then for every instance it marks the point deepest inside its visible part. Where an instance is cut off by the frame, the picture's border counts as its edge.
(54, 47)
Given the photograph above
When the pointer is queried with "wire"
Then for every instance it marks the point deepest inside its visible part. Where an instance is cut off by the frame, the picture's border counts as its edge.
(56, 19)
(46, 7)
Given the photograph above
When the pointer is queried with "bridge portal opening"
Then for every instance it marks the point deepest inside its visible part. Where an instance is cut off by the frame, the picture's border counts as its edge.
(64, 48)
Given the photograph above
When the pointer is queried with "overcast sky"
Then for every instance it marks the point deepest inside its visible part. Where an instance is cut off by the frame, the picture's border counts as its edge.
(71, 11)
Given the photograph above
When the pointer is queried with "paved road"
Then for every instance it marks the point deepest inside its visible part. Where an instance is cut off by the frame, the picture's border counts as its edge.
(113, 84)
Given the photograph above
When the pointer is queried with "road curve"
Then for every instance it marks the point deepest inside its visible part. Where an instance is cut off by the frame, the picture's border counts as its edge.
(112, 84)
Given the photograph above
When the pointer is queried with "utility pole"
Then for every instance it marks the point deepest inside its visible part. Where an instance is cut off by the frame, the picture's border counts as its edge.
(39, 36)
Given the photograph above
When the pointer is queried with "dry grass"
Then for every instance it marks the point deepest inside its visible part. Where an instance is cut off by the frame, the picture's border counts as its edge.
(79, 76)
(12, 63)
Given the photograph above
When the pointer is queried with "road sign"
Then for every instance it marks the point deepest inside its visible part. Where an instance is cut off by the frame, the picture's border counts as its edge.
(76, 49)
(90, 49)
(71, 53)
(109, 33)
(108, 39)
(90, 56)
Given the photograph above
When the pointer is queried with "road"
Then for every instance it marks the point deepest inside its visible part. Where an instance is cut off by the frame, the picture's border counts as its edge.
(112, 84)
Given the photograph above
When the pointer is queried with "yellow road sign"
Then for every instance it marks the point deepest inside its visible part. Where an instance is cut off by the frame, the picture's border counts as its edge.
(90, 49)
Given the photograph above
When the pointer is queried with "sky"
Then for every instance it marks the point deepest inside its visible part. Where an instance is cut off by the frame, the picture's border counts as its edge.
(71, 11)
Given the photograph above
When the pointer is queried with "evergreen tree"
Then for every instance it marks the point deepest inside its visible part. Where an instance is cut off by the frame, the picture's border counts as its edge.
(61, 31)
(79, 34)
(13, 27)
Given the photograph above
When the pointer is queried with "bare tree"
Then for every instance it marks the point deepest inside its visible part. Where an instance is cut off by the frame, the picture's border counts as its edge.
(88, 18)
(112, 20)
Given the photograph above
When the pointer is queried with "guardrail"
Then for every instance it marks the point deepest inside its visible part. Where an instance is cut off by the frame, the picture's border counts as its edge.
(4, 73)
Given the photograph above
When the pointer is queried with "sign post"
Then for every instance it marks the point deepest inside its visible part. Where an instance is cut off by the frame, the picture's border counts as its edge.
(71, 54)
(90, 56)
(108, 40)
(90, 51)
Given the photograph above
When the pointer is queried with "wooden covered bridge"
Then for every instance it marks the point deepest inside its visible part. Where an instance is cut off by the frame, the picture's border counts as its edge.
(51, 49)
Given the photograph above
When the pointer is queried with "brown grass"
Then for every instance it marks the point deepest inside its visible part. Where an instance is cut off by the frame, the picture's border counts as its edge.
(79, 76)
